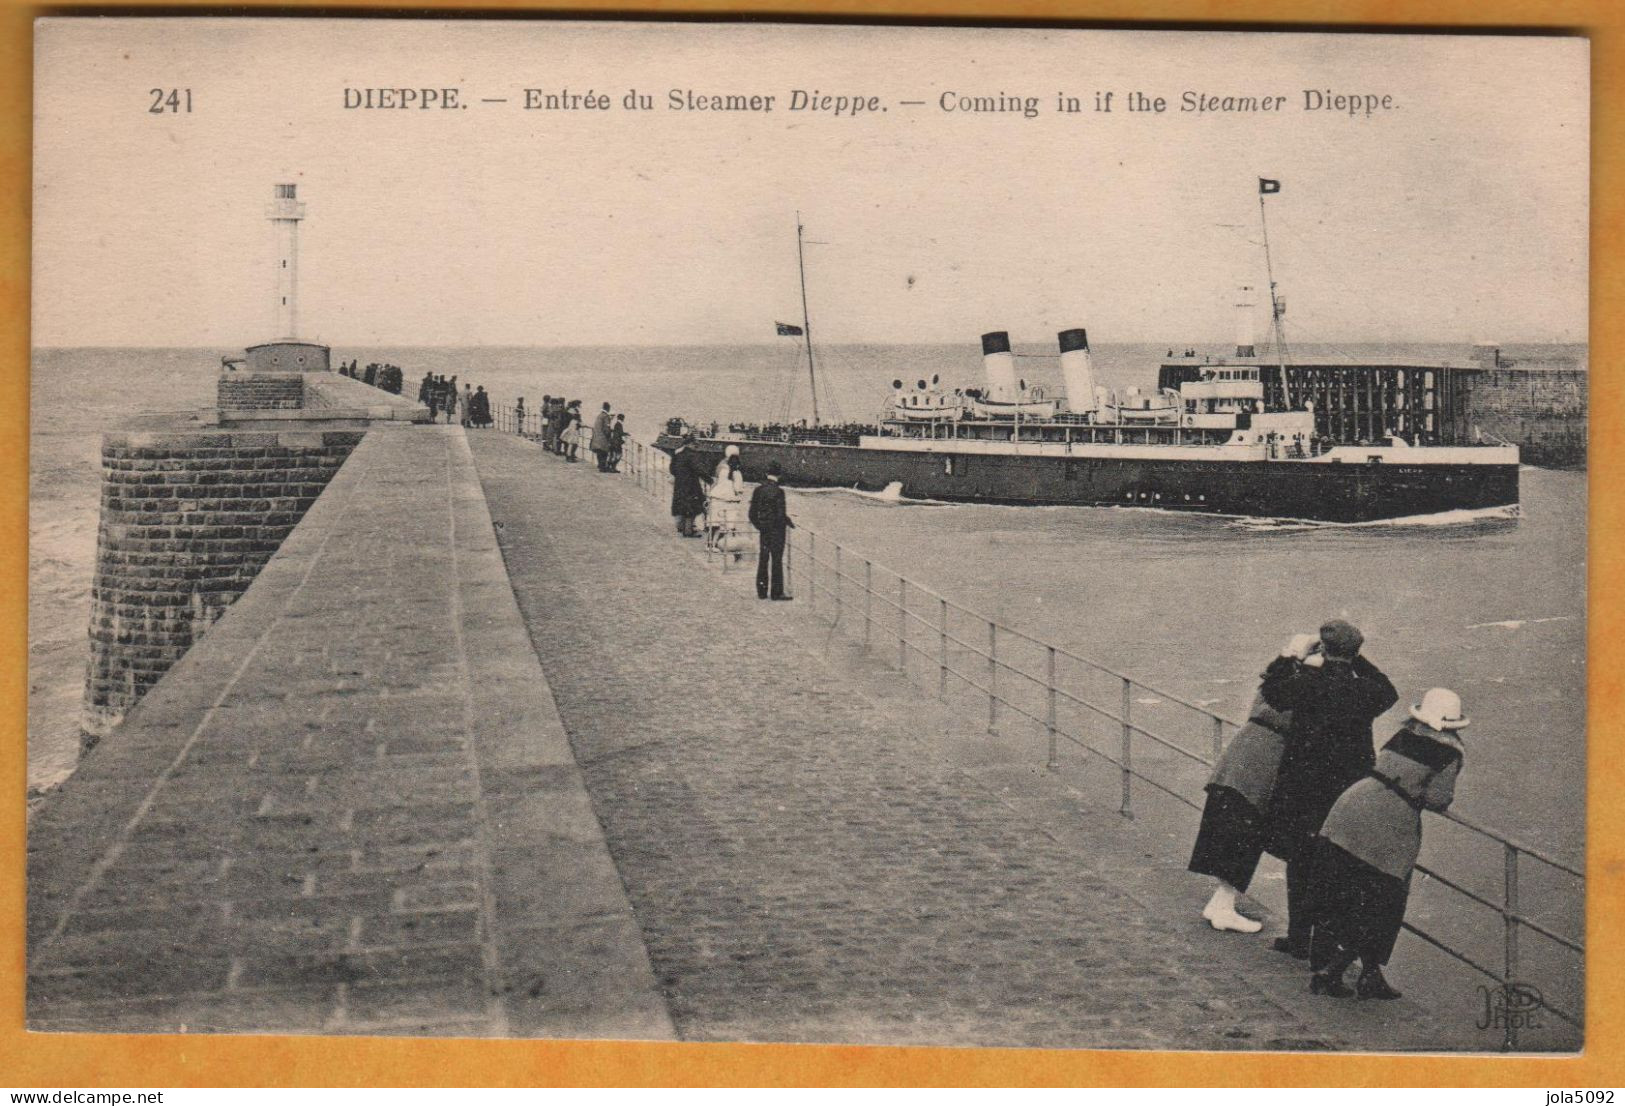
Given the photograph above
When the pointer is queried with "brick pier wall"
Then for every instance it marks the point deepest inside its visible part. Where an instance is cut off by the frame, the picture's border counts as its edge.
(251, 391)
(1542, 411)
(188, 519)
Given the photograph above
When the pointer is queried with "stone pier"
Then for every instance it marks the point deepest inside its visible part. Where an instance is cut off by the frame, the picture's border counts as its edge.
(485, 749)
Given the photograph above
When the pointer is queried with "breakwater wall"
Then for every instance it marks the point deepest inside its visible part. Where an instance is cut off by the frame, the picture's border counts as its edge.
(1541, 411)
(187, 522)
(191, 510)
(251, 391)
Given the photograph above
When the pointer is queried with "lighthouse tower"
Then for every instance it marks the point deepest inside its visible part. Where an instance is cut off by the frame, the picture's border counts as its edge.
(285, 352)
(285, 214)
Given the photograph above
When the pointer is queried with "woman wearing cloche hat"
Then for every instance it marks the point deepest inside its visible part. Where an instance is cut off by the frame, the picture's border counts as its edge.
(1367, 849)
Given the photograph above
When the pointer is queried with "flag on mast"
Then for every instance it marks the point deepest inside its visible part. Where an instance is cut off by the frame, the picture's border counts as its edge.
(788, 331)
(1268, 187)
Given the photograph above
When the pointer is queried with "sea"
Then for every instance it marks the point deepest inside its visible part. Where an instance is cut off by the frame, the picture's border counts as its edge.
(1493, 607)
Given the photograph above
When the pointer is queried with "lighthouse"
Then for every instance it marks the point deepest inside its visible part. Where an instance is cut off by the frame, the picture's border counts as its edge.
(285, 214)
(285, 352)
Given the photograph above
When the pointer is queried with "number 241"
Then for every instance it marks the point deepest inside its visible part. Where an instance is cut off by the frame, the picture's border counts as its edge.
(174, 100)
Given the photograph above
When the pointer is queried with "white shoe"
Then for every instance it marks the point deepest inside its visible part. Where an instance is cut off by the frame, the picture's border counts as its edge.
(1231, 921)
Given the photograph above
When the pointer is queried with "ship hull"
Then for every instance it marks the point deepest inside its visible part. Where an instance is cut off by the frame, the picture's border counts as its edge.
(1312, 491)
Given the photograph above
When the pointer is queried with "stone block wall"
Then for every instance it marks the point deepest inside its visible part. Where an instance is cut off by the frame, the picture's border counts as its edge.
(250, 391)
(187, 521)
(1542, 411)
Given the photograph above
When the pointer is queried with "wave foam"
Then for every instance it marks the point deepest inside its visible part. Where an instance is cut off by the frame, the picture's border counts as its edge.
(1441, 518)
(1516, 623)
(891, 495)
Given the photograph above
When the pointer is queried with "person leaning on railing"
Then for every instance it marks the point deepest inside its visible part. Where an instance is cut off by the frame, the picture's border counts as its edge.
(1235, 827)
(1367, 849)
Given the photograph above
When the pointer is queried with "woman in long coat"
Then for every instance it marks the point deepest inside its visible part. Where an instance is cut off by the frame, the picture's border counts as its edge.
(687, 488)
(1367, 849)
(1235, 825)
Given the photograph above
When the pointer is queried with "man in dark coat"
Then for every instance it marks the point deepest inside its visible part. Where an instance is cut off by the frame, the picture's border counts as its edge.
(600, 438)
(1334, 695)
(687, 489)
(768, 515)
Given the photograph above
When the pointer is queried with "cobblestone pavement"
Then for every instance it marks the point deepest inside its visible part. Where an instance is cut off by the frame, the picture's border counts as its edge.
(349, 809)
(803, 864)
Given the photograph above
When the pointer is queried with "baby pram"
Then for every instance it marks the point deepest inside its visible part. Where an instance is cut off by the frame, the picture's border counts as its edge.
(728, 532)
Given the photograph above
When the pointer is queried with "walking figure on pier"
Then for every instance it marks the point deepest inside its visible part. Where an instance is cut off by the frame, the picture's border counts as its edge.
(1366, 851)
(772, 521)
(1334, 695)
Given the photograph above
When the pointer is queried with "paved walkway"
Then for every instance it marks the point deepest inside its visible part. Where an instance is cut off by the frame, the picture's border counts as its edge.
(804, 862)
(349, 809)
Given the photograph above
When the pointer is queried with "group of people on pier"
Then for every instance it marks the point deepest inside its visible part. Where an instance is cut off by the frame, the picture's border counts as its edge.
(1302, 781)
(471, 407)
(385, 376)
(559, 421)
(717, 494)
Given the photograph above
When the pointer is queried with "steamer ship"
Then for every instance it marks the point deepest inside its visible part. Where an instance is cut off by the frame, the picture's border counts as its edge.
(1239, 437)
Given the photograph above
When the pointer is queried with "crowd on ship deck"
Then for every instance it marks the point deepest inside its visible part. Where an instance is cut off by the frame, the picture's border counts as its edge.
(846, 433)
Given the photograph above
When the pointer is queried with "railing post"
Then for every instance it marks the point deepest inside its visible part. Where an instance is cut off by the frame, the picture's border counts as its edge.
(868, 600)
(1049, 709)
(812, 568)
(942, 648)
(1127, 809)
(992, 677)
(1218, 738)
(837, 581)
(1510, 1040)
(902, 625)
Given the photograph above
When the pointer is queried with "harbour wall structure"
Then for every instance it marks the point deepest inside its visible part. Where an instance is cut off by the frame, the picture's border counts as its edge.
(1541, 407)
(1541, 411)
(192, 510)
(256, 391)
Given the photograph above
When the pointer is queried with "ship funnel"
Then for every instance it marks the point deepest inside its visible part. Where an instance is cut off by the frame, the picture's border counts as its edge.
(1000, 364)
(1077, 370)
(1246, 306)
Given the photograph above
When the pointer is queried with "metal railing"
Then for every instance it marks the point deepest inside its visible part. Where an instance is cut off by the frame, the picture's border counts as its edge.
(1074, 701)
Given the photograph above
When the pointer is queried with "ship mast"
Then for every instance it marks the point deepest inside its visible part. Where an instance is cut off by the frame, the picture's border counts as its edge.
(1277, 308)
(806, 320)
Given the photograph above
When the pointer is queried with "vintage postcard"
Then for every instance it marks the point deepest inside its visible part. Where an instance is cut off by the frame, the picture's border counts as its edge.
(887, 535)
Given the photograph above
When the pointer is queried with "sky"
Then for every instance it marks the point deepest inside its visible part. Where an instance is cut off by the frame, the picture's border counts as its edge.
(1458, 214)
